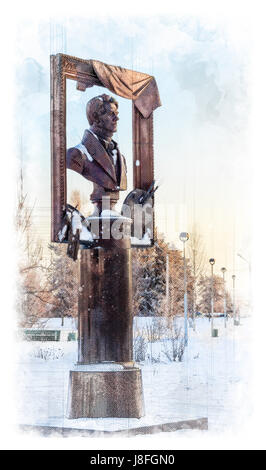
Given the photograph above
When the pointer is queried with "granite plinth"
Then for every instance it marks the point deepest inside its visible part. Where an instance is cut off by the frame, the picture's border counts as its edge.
(103, 394)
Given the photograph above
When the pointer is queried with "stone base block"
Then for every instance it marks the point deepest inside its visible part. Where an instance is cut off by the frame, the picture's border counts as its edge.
(59, 431)
(105, 394)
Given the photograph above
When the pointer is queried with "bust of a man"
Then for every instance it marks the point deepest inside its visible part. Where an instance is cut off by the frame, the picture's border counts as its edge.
(97, 156)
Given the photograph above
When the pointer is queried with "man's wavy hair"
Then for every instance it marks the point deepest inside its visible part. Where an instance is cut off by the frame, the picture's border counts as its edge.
(97, 106)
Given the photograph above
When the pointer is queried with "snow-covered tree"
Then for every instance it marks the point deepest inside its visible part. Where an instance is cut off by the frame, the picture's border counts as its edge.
(150, 296)
(149, 279)
(205, 289)
(62, 277)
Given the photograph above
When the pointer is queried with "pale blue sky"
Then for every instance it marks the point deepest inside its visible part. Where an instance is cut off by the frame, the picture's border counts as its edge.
(201, 132)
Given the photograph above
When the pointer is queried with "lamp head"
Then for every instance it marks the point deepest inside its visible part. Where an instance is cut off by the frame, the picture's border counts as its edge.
(212, 261)
(184, 236)
(223, 270)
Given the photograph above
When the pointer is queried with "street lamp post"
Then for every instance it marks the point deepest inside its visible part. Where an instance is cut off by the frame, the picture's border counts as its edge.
(184, 236)
(225, 313)
(213, 332)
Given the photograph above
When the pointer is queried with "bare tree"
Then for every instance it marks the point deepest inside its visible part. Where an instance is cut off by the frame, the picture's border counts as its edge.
(32, 289)
(218, 293)
(79, 201)
(176, 284)
(63, 282)
(154, 330)
(198, 260)
(46, 287)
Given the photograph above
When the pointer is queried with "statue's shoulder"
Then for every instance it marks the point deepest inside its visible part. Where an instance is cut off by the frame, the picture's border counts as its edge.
(75, 159)
(74, 152)
(82, 150)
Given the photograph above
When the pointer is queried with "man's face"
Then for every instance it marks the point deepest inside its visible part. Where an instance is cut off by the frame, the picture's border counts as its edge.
(108, 120)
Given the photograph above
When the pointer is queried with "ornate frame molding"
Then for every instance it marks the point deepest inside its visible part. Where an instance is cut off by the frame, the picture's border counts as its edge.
(63, 67)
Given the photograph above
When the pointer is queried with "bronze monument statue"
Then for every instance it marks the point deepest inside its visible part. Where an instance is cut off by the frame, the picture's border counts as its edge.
(105, 382)
(105, 300)
(98, 157)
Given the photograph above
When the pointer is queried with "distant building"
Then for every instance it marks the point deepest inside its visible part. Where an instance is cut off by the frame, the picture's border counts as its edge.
(51, 329)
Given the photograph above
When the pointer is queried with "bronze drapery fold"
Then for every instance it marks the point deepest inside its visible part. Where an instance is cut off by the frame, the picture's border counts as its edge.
(136, 86)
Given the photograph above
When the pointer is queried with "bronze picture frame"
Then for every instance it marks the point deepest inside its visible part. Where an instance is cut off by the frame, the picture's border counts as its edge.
(63, 67)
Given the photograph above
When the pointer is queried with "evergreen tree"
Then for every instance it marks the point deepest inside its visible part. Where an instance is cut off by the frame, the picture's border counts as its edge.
(150, 284)
(149, 279)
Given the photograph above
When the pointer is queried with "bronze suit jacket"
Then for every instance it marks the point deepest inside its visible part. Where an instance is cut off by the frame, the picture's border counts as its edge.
(99, 168)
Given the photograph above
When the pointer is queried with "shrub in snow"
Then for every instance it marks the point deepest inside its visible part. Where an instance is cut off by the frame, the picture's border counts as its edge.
(139, 348)
(155, 330)
(174, 347)
(154, 359)
(47, 353)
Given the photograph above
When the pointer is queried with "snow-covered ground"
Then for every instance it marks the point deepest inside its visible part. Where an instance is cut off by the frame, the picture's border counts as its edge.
(212, 381)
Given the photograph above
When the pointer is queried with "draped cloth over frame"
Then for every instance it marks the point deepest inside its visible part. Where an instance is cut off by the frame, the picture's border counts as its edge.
(139, 87)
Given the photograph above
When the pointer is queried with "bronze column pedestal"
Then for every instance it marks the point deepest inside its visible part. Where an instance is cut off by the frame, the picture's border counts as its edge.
(105, 304)
(105, 383)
